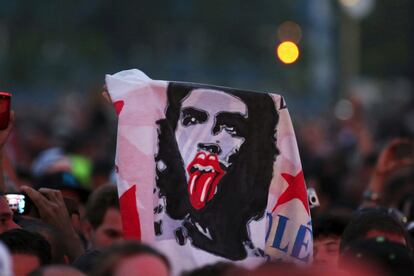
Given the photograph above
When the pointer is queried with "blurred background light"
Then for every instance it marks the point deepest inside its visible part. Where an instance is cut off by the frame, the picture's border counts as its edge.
(344, 110)
(287, 52)
(358, 8)
(349, 3)
(289, 31)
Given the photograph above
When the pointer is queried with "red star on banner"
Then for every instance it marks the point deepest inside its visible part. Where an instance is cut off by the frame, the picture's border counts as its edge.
(118, 106)
(296, 189)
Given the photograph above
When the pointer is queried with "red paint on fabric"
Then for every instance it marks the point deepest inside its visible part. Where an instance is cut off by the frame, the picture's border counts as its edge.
(296, 189)
(118, 106)
(129, 214)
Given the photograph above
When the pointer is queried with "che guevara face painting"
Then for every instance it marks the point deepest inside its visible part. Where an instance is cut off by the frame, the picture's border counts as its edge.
(216, 149)
(208, 133)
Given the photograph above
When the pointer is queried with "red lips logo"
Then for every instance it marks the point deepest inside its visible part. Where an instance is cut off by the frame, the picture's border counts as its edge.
(205, 173)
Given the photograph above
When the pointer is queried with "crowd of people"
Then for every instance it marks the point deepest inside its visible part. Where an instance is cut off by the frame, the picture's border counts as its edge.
(62, 162)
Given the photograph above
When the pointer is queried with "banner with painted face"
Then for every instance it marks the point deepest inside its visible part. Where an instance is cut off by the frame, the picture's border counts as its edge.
(208, 173)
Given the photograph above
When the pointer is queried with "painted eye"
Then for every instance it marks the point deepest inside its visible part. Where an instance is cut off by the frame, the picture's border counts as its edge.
(191, 116)
(202, 156)
(212, 157)
(189, 120)
(231, 130)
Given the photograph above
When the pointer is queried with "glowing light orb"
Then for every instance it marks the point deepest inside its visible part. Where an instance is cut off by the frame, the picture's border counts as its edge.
(287, 52)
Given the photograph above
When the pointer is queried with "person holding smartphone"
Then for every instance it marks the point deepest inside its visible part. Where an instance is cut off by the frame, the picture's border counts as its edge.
(48, 202)
(6, 125)
(6, 216)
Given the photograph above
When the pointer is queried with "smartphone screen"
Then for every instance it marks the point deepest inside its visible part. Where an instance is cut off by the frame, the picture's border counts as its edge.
(5, 99)
(17, 203)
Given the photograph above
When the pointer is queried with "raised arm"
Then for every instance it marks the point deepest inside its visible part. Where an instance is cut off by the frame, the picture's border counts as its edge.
(4, 135)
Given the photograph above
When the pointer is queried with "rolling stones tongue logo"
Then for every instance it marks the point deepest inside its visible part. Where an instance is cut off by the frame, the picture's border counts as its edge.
(205, 173)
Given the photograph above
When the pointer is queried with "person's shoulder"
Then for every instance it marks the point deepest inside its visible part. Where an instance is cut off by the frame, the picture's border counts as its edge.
(86, 261)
